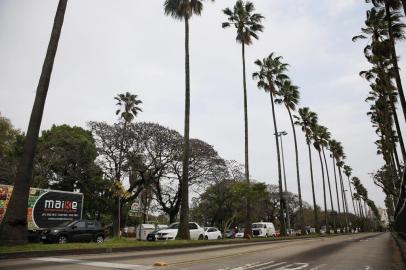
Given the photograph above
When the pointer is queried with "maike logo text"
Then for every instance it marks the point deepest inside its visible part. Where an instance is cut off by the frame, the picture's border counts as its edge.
(55, 204)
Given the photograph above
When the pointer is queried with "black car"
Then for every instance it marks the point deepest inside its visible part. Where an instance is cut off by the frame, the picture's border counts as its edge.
(74, 231)
(151, 235)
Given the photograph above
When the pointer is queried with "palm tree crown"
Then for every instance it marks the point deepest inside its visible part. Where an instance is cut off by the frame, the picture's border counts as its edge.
(128, 106)
(271, 73)
(247, 23)
(289, 95)
(181, 9)
(307, 120)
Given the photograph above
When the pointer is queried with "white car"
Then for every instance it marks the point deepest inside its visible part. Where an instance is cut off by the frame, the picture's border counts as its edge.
(211, 233)
(196, 232)
(263, 229)
(240, 233)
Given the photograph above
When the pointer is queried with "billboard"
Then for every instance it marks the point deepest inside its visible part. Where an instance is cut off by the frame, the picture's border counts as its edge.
(46, 208)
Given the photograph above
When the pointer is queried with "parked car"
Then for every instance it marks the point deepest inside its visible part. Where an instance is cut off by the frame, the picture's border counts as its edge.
(196, 232)
(211, 233)
(74, 231)
(152, 235)
(263, 229)
(240, 233)
(229, 234)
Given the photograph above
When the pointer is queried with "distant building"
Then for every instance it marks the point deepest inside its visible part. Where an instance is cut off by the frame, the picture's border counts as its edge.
(384, 217)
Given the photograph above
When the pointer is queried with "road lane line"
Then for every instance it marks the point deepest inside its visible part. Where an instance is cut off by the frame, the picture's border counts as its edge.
(96, 264)
(318, 267)
(293, 266)
(270, 266)
(251, 266)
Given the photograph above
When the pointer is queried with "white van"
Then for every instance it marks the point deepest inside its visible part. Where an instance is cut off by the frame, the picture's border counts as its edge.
(263, 229)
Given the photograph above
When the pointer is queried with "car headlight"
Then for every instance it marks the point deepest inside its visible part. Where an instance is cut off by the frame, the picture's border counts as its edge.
(54, 231)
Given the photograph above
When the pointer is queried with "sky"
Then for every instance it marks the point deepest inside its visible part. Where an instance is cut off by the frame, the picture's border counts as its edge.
(109, 47)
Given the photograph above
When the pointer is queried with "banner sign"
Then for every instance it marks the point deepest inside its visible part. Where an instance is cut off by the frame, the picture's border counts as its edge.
(46, 208)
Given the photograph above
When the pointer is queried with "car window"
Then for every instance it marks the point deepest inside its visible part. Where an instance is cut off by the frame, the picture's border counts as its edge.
(91, 224)
(80, 225)
(211, 230)
(174, 226)
(192, 226)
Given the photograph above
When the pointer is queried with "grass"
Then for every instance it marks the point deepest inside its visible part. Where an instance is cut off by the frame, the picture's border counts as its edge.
(125, 242)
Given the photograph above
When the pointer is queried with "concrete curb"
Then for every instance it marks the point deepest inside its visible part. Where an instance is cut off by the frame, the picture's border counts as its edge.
(401, 245)
(235, 243)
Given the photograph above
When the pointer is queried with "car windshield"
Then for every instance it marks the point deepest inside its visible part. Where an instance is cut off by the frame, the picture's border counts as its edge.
(67, 223)
(256, 225)
(174, 226)
(206, 229)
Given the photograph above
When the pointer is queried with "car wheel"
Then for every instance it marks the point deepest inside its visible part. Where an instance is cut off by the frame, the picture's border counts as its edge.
(266, 235)
(62, 239)
(99, 239)
(218, 237)
(206, 238)
(201, 237)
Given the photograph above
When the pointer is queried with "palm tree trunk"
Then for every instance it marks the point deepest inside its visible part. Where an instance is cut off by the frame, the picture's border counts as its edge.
(14, 226)
(398, 130)
(302, 225)
(395, 61)
(281, 201)
(338, 197)
(248, 229)
(324, 192)
(352, 198)
(329, 187)
(184, 210)
(344, 200)
(316, 219)
(286, 188)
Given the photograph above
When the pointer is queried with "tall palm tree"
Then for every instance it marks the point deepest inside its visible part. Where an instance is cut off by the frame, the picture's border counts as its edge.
(270, 76)
(318, 141)
(128, 110)
(184, 10)
(14, 225)
(325, 137)
(334, 148)
(289, 96)
(248, 25)
(348, 172)
(307, 120)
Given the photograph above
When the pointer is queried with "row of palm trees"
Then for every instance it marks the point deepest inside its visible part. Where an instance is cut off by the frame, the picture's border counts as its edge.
(383, 29)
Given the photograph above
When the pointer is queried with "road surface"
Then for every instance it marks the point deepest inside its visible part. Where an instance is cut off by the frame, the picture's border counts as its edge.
(362, 251)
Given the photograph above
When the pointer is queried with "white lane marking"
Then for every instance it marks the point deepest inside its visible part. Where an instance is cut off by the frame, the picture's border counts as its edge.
(368, 267)
(293, 266)
(270, 266)
(250, 266)
(96, 264)
(318, 267)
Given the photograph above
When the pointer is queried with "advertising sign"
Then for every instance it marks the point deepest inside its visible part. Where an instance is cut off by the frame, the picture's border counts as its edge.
(46, 208)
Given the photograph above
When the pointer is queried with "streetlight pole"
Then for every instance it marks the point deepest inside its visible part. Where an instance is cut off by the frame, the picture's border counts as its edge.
(281, 134)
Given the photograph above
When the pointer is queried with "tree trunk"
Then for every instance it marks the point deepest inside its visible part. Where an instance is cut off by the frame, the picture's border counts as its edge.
(329, 188)
(286, 187)
(281, 201)
(248, 229)
(324, 192)
(404, 6)
(395, 61)
(352, 198)
(302, 225)
(398, 130)
(316, 219)
(184, 233)
(338, 197)
(344, 199)
(172, 216)
(14, 226)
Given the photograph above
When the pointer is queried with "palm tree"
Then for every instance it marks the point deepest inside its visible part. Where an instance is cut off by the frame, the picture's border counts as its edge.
(14, 225)
(128, 110)
(307, 120)
(248, 25)
(184, 10)
(289, 96)
(334, 146)
(348, 172)
(325, 137)
(317, 130)
(270, 77)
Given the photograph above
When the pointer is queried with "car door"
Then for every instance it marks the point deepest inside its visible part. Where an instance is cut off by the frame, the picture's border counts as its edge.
(194, 232)
(91, 230)
(78, 231)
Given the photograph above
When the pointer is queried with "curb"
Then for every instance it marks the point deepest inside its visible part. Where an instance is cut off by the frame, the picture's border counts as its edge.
(87, 251)
(401, 245)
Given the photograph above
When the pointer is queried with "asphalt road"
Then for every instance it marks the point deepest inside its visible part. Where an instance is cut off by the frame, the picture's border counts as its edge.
(361, 251)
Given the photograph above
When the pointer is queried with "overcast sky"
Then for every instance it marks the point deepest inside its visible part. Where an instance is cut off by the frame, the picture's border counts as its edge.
(108, 47)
